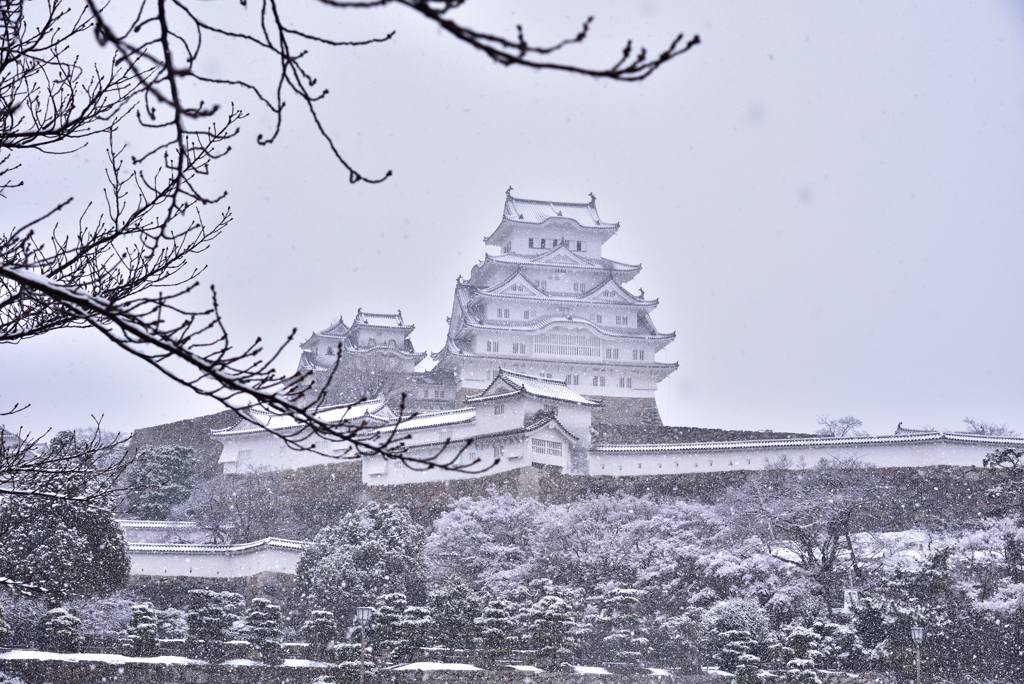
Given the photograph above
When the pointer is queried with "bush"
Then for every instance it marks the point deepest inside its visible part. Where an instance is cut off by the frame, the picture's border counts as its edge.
(263, 628)
(140, 637)
(60, 631)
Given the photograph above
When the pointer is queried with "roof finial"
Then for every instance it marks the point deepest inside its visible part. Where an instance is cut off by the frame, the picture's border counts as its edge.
(641, 293)
(593, 200)
(508, 193)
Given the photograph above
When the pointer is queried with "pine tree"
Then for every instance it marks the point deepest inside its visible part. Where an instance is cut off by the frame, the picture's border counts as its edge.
(414, 629)
(263, 627)
(455, 608)
(803, 643)
(211, 616)
(171, 624)
(622, 636)
(551, 627)
(321, 629)
(497, 627)
(161, 478)
(5, 629)
(60, 631)
(140, 636)
(384, 631)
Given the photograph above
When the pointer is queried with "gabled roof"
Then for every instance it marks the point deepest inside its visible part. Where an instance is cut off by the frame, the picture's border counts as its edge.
(508, 383)
(597, 264)
(538, 211)
(621, 295)
(544, 420)
(516, 279)
(520, 212)
(381, 320)
(257, 419)
(562, 256)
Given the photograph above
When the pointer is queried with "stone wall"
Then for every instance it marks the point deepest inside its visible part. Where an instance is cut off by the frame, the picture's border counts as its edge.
(193, 433)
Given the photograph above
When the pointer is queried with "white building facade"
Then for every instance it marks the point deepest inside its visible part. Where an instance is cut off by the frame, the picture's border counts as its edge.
(550, 305)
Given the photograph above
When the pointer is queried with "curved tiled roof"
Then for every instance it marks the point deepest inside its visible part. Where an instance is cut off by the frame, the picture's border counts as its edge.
(537, 211)
(220, 549)
(545, 388)
(915, 438)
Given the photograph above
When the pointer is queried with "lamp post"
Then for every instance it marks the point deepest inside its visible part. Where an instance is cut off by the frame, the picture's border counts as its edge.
(362, 615)
(917, 634)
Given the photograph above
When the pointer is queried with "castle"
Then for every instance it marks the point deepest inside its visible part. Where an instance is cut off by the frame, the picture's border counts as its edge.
(549, 361)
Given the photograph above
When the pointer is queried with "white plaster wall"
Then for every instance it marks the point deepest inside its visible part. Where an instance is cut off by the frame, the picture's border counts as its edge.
(620, 464)
(208, 564)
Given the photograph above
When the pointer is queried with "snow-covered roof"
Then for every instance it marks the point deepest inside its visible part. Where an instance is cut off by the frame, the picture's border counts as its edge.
(380, 320)
(538, 211)
(157, 525)
(371, 413)
(433, 419)
(586, 263)
(913, 438)
(214, 549)
(544, 420)
(544, 388)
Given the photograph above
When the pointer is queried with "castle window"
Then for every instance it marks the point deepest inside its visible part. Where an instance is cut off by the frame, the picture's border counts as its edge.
(598, 380)
(330, 351)
(426, 394)
(543, 285)
(572, 379)
(244, 454)
(544, 446)
(581, 246)
(391, 343)
(597, 318)
(499, 409)
(611, 353)
(372, 342)
(543, 243)
(626, 382)
(638, 354)
(526, 314)
(531, 243)
(492, 346)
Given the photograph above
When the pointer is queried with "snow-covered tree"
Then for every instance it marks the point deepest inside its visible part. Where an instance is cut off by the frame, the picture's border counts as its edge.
(60, 631)
(618, 634)
(64, 547)
(140, 636)
(5, 629)
(455, 608)
(171, 623)
(373, 551)
(211, 617)
(263, 629)
(675, 640)
(731, 628)
(415, 630)
(160, 478)
(550, 625)
(384, 631)
(497, 627)
(320, 630)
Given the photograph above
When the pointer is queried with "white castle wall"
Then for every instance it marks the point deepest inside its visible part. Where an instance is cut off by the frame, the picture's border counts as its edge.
(243, 560)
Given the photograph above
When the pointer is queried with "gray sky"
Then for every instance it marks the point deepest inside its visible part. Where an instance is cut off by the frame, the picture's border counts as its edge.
(827, 198)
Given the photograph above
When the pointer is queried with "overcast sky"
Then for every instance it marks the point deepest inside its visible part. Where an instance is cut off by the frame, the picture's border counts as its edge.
(827, 199)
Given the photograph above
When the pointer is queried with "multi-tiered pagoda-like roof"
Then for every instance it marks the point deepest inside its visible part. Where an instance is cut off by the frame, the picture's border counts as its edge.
(550, 304)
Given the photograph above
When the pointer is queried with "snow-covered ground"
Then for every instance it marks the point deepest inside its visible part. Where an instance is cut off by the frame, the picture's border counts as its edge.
(117, 659)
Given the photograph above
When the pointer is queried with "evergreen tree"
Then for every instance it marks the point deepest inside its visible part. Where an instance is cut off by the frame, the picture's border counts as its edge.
(496, 626)
(414, 629)
(211, 617)
(551, 625)
(140, 636)
(263, 627)
(375, 550)
(65, 547)
(321, 629)
(802, 643)
(677, 640)
(5, 629)
(384, 631)
(622, 636)
(161, 477)
(455, 608)
(60, 631)
(171, 624)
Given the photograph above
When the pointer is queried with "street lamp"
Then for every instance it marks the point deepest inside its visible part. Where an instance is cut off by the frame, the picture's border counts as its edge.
(917, 634)
(362, 616)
